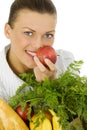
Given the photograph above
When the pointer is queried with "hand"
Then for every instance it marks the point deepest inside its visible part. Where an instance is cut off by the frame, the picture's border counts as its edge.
(42, 72)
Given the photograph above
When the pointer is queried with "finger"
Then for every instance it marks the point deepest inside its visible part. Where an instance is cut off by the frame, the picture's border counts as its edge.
(39, 64)
(51, 66)
(36, 72)
(39, 75)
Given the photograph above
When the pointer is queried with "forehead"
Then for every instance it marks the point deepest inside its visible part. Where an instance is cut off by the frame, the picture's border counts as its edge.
(34, 19)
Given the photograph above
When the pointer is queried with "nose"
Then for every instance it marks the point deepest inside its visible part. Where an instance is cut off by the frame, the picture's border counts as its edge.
(37, 42)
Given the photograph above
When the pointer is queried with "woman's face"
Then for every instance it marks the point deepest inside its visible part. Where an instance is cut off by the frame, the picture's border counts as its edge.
(31, 30)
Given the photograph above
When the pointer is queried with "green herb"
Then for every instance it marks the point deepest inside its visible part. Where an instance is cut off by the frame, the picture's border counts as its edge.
(66, 95)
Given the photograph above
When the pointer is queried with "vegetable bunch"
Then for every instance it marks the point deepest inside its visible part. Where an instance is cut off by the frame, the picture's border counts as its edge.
(65, 95)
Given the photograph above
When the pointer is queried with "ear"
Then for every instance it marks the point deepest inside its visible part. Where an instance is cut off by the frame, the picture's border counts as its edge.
(7, 30)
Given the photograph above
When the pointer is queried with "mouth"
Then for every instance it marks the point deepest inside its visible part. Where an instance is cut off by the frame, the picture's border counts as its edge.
(31, 53)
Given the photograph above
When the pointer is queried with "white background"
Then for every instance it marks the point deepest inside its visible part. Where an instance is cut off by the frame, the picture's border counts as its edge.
(71, 33)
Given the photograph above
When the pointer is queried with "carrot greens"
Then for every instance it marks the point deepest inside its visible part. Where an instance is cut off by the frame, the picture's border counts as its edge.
(66, 95)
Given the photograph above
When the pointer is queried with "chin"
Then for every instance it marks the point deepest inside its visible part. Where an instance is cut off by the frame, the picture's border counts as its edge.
(31, 65)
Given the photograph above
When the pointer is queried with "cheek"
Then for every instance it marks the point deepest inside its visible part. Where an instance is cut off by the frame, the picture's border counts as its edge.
(19, 42)
(49, 42)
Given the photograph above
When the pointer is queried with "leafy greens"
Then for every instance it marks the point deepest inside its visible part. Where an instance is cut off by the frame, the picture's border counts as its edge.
(66, 95)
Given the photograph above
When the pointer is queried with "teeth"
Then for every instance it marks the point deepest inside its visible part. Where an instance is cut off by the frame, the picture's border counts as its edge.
(31, 53)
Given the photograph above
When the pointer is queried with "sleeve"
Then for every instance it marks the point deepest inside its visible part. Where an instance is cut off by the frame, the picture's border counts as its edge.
(64, 58)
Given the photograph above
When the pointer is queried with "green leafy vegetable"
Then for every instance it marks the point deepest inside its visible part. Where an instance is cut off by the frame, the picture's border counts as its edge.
(66, 95)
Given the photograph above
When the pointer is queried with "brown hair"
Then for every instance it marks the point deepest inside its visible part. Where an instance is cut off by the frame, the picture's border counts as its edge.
(41, 6)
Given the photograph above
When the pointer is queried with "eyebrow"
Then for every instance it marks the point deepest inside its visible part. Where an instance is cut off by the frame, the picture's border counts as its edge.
(35, 31)
(50, 31)
(29, 29)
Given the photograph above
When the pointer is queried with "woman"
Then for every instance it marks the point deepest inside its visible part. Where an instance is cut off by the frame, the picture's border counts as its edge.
(31, 25)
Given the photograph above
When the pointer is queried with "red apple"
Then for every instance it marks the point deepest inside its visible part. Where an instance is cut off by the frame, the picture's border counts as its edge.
(23, 113)
(46, 52)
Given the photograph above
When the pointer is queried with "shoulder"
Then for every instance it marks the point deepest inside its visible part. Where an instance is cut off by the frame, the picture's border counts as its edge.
(64, 58)
(65, 54)
(3, 61)
(4, 51)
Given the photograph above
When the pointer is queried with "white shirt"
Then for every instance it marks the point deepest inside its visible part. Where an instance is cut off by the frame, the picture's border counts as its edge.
(9, 81)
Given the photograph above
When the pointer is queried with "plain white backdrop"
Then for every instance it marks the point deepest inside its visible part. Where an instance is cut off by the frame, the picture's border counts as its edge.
(71, 31)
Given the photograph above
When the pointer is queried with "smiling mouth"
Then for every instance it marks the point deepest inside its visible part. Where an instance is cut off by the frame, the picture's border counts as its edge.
(31, 53)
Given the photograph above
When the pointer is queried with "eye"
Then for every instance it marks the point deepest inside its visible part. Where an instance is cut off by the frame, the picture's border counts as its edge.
(48, 36)
(28, 33)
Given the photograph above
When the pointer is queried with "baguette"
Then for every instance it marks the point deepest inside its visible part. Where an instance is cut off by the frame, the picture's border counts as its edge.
(9, 119)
